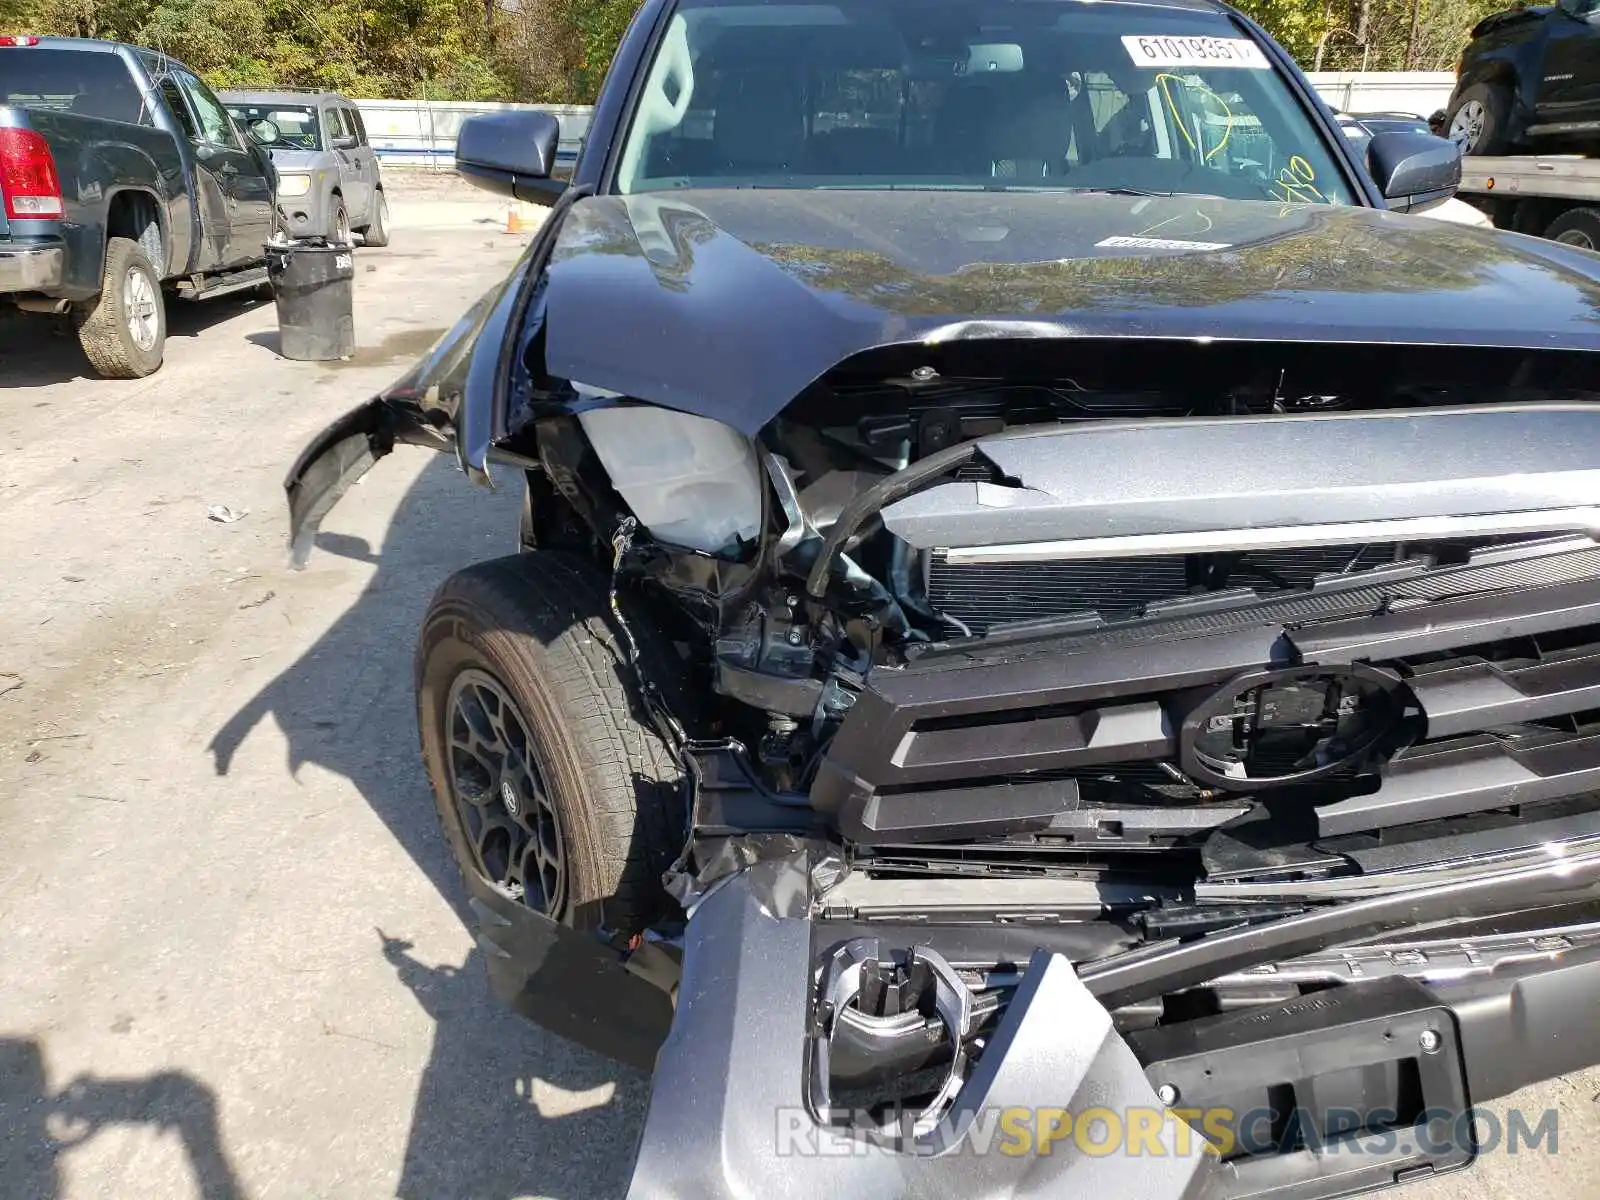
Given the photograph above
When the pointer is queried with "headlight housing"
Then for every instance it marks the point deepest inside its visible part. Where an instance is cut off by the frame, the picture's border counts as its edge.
(691, 481)
(294, 185)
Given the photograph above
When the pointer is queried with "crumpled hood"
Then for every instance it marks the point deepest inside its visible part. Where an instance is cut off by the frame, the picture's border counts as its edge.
(727, 303)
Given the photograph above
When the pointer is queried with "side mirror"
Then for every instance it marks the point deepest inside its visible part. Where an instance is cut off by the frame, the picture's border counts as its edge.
(1414, 171)
(264, 132)
(344, 142)
(512, 153)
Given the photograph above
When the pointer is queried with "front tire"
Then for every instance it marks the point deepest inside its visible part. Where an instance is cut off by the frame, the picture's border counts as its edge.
(1480, 118)
(339, 223)
(377, 233)
(124, 331)
(551, 782)
(1578, 227)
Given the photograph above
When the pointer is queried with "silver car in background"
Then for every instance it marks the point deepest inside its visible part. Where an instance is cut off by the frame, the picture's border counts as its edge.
(329, 184)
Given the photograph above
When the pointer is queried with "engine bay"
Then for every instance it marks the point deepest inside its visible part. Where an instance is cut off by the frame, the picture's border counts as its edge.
(916, 524)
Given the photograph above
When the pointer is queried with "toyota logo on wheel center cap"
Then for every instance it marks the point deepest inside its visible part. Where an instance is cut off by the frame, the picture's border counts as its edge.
(508, 797)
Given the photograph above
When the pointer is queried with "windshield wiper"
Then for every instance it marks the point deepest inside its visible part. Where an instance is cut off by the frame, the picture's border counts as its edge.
(1120, 191)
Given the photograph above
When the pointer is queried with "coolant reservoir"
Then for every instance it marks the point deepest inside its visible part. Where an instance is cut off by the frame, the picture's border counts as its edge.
(690, 481)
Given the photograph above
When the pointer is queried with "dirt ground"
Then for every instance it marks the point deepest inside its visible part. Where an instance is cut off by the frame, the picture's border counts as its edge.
(233, 960)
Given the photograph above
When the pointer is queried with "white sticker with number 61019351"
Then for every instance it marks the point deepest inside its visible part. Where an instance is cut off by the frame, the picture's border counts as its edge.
(1161, 50)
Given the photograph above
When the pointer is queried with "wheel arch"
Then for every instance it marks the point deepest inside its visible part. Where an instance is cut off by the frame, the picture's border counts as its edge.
(1496, 70)
(332, 199)
(1515, 70)
(136, 213)
(550, 519)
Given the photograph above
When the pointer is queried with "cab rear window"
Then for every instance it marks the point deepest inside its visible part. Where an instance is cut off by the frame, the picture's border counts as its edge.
(75, 81)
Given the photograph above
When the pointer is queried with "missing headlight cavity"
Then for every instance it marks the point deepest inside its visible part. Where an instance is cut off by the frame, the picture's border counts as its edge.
(692, 482)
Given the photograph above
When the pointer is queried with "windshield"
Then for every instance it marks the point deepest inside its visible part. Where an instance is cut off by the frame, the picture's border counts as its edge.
(297, 125)
(971, 93)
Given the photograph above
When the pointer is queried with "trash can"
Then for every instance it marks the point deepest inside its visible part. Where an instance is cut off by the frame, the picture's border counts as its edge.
(314, 285)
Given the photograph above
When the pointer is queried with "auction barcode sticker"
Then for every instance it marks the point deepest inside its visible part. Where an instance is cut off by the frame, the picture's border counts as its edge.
(1163, 51)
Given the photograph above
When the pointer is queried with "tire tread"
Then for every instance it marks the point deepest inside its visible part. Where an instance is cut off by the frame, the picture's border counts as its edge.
(102, 331)
(545, 619)
(1587, 219)
(376, 234)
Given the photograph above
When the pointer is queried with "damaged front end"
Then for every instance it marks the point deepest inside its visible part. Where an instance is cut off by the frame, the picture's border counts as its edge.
(1240, 765)
(1209, 729)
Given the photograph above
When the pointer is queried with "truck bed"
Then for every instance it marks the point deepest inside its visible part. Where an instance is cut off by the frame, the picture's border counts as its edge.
(96, 157)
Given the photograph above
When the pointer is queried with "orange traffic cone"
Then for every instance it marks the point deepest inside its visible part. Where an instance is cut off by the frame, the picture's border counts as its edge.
(513, 220)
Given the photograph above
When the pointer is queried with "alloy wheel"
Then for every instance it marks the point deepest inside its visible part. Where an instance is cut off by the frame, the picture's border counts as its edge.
(500, 796)
(139, 308)
(1466, 127)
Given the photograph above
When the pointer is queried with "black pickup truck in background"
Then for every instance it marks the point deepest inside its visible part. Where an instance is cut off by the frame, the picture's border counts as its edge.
(1530, 80)
(122, 180)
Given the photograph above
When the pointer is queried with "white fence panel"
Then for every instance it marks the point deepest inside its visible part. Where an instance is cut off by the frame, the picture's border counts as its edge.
(1420, 92)
(423, 132)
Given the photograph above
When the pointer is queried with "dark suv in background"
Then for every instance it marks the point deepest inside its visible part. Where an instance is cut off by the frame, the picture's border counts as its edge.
(1530, 78)
(328, 179)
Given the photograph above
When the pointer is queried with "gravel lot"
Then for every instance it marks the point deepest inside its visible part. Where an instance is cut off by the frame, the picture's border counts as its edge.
(232, 957)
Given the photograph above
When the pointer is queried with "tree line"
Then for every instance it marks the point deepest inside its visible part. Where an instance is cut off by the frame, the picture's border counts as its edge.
(556, 51)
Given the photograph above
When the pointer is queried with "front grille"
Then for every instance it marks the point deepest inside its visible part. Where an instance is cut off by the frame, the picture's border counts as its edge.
(980, 596)
(1090, 731)
(1145, 782)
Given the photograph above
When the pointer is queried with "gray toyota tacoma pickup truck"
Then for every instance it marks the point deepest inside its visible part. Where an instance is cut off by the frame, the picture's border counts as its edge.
(1056, 645)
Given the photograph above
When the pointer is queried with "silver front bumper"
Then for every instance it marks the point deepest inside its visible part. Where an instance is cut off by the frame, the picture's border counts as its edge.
(731, 1114)
(35, 269)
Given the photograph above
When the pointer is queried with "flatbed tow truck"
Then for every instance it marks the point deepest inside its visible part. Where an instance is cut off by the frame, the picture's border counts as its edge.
(1552, 196)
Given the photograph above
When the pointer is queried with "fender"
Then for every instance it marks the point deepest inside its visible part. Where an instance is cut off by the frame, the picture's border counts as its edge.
(331, 195)
(165, 261)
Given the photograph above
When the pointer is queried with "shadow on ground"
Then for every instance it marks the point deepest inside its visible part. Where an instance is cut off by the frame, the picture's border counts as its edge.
(346, 704)
(37, 351)
(38, 1125)
(504, 1109)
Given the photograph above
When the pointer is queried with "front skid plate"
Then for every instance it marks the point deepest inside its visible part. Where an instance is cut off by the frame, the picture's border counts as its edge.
(728, 1114)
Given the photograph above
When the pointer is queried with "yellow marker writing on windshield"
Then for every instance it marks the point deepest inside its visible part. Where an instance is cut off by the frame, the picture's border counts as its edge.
(1165, 81)
(1298, 181)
